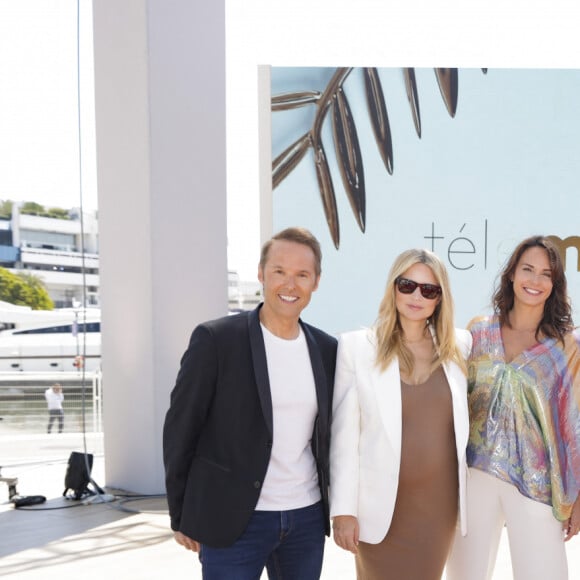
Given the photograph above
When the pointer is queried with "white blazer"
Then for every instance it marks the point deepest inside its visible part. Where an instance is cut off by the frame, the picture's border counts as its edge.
(365, 447)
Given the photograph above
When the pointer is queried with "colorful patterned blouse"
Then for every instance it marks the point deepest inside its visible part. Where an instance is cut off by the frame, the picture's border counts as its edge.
(525, 415)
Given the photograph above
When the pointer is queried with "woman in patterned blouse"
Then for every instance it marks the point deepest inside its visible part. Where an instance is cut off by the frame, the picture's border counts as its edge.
(524, 408)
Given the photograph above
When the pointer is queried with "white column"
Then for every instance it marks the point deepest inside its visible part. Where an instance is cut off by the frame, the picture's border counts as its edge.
(161, 168)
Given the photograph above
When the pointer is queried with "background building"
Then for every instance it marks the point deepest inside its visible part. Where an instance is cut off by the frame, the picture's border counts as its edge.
(62, 252)
(242, 295)
(59, 249)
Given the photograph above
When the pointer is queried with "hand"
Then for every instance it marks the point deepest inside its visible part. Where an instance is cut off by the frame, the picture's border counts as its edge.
(572, 525)
(186, 542)
(345, 532)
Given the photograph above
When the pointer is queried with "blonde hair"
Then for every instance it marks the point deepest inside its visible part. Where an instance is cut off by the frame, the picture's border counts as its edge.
(388, 329)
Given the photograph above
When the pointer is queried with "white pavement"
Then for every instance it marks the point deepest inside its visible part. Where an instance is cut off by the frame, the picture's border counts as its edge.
(120, 539)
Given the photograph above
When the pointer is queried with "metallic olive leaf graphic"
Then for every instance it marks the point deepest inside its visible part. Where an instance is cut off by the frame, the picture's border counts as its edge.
(289, 159)
(349, 156)
(448, 84)
(345, 137)
(379, 117)
(327, 193)
(411, 86)
(294, 100)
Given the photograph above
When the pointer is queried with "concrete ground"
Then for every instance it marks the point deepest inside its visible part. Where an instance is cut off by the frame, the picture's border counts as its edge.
(127, 538)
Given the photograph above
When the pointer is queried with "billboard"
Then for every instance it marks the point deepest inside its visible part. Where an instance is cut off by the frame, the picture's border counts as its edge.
(467, 179)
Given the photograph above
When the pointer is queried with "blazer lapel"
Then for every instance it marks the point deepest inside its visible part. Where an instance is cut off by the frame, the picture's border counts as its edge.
(260, 367)
(456, 380)
(387, 389)
(387, 386)
(320, 379)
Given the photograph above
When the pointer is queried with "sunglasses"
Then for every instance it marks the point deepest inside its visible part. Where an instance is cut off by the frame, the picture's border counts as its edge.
(429, 291)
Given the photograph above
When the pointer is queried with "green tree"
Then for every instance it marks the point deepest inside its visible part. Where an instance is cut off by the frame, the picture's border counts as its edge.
(58, 213)
(24, 290)
(6, 209)
(32, 208)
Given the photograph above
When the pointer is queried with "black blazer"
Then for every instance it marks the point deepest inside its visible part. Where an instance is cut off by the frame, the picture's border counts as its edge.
(217, 436)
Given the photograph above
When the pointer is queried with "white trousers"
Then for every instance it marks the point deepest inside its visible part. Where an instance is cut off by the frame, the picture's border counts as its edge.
(536, 539)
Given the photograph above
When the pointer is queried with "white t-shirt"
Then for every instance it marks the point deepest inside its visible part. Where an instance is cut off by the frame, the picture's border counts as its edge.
(291, 481)
(54, 400)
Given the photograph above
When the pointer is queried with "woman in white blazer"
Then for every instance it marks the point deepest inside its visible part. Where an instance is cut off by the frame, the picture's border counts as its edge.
(400, 427)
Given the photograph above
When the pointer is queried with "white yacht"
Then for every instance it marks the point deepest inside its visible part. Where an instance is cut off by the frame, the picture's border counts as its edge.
(63, 340)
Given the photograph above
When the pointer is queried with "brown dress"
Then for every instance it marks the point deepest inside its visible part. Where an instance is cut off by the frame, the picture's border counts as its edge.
(420, 535)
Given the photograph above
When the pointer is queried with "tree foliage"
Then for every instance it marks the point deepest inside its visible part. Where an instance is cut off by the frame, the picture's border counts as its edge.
(24, 290)
(58, 212)
(33, 208)
(6, 209)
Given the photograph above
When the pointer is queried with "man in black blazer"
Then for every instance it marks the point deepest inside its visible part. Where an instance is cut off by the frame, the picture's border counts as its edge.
(246, 437)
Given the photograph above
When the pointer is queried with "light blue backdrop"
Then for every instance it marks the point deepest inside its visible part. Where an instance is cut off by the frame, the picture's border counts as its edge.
(507, 166)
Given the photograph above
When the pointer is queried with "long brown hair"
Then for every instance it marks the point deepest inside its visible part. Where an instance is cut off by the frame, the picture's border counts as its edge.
(388, 329)
(557, 317)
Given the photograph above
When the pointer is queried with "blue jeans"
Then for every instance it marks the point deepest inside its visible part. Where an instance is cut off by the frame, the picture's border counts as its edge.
(290, 544)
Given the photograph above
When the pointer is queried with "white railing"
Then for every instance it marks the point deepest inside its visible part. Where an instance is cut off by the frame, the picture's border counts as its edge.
(23, 407)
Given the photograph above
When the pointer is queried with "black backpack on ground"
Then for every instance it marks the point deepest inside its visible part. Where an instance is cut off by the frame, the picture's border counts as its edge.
(77, 477)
